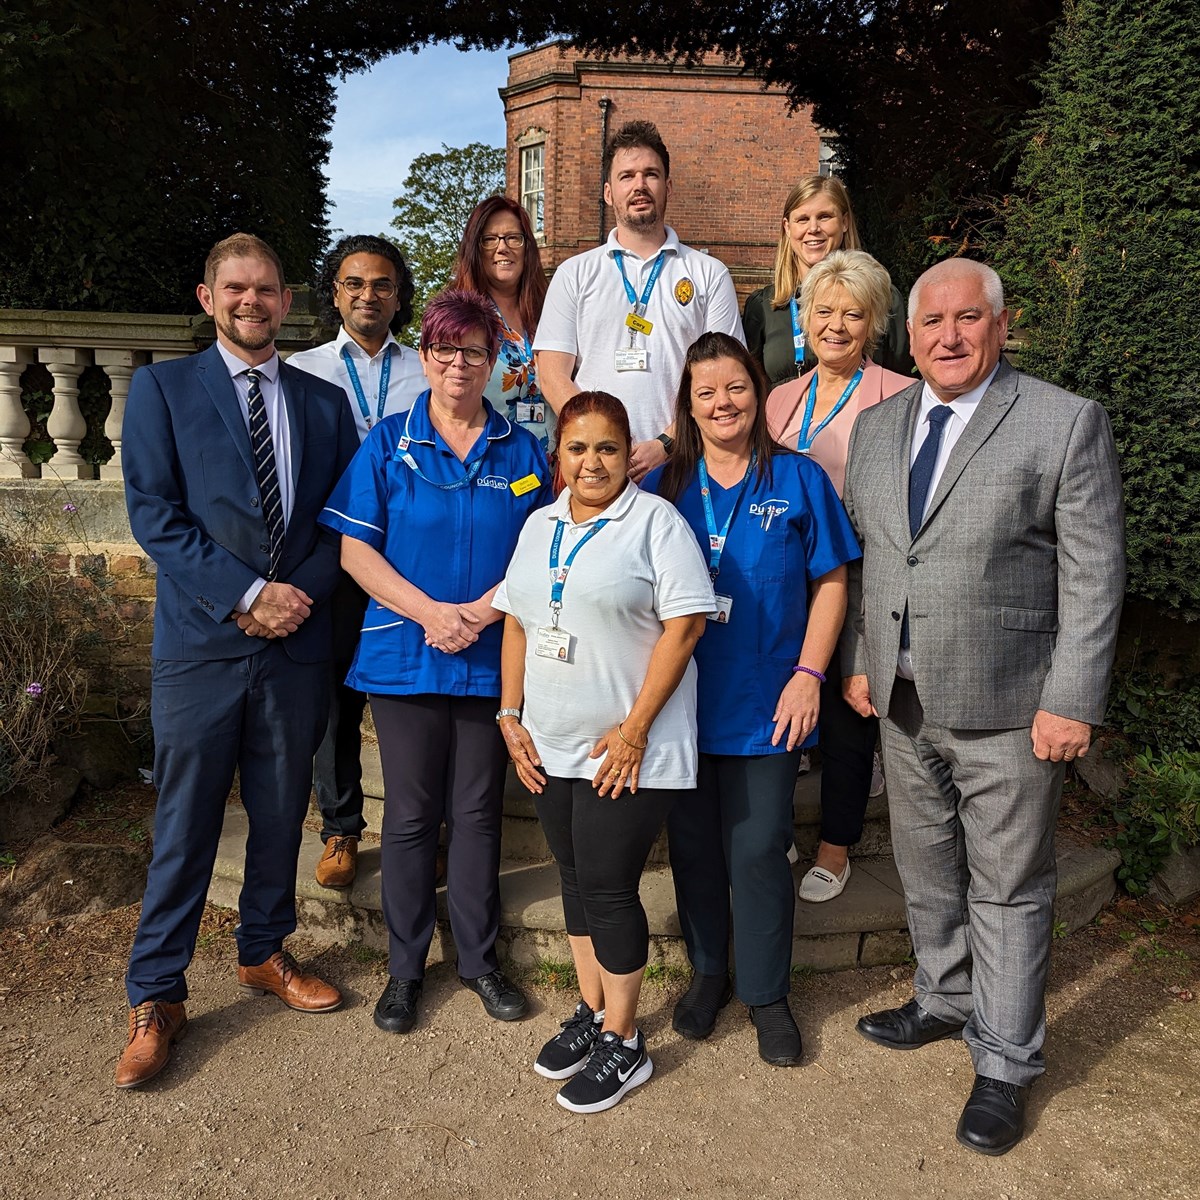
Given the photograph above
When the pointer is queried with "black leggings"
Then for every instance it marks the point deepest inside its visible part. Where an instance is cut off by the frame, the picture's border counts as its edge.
(601, 845)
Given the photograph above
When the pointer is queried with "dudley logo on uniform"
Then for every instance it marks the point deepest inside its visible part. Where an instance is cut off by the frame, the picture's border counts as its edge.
(768, 510)
(493, 481)
(684, 291)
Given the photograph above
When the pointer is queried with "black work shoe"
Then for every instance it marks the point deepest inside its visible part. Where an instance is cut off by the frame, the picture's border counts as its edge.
(566, 1052)
(778, 1037)
(502, 999)
(396, 1010)
(907, 1027)
(611, 1070)
(993, 1120)
(696, 1010)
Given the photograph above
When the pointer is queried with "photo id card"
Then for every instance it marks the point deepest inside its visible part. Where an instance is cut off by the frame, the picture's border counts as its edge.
(530, 412)
(553, 643)
(631, 359)
(724, 608)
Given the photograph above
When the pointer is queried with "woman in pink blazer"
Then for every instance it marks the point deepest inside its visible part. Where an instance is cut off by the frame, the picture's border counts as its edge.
(843, 307)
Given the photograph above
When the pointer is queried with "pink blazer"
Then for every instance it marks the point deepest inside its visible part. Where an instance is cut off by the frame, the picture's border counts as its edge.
(785, 412)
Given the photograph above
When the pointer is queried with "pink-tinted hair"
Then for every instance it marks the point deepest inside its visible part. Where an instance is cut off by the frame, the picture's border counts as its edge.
(453, 314)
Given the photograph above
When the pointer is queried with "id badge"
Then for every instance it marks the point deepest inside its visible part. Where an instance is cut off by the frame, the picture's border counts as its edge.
(639, 324)
(724, 608)
(530, 412)
(553, 643)
(632, 359)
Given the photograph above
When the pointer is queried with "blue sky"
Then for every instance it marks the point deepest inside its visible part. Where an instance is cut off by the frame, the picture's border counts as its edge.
(407, 105)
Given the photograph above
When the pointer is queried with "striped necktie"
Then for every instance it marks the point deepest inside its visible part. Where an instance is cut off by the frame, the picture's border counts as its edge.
(919, 479)
(264, 468)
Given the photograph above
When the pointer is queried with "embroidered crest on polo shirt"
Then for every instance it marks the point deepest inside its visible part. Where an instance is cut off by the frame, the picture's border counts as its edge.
(492, 481)
(768, 510)
(685, 289)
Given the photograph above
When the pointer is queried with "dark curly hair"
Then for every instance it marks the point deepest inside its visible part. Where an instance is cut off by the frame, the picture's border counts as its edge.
(362, 243)
(635, 135)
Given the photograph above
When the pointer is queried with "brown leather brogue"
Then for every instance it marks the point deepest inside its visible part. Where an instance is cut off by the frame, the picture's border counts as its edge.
(281, 976)
(338, 863)
(153, 1026)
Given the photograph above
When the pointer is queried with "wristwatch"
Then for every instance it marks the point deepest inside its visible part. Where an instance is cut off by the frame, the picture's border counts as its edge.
(668, 442)
(508, 712)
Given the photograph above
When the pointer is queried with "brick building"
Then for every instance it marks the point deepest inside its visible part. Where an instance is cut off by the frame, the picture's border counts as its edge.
(735, 150)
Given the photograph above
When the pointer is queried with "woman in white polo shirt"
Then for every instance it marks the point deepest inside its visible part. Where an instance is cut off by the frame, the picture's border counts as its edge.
(606, 597)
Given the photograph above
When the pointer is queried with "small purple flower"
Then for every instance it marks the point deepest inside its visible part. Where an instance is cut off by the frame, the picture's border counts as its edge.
(34, 689)
(69, 507)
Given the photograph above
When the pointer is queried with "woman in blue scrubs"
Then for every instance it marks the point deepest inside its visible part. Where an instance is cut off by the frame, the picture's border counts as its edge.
(429, 511)
(777, 540)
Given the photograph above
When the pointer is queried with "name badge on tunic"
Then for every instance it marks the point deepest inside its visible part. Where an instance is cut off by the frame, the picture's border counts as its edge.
(639, 324)
(724, 608)
(631, 359)
(553, 643)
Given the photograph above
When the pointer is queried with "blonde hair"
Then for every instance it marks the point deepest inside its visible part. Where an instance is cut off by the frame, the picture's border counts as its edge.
(787, 269)
(865, 280)
(240, 245)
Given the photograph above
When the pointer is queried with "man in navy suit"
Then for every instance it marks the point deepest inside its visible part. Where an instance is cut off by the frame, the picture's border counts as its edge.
(229, 456)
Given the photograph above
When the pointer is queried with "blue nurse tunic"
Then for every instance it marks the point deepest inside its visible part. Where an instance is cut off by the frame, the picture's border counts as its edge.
(449, 527)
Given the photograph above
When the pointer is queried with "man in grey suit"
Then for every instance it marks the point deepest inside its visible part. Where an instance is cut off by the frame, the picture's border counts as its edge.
(983, 622)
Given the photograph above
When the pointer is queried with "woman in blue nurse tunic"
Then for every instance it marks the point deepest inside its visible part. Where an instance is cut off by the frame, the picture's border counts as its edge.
(777, 540)
(429, 511)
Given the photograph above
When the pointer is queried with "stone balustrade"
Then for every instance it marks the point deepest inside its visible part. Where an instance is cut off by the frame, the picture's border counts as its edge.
(68, 343)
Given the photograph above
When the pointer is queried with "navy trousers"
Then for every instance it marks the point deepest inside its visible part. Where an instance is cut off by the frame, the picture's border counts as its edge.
(261, 716)
(729, 844)
(847, 745)
(443, 760)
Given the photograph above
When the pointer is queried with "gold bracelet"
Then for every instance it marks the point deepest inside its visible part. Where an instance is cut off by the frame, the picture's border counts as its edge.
(621, 734)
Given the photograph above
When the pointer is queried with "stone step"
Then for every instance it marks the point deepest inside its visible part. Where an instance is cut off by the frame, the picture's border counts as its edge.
(523, 837)
(865, 926)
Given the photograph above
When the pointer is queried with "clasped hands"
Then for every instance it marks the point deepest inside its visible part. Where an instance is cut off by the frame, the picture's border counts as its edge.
(278, 609)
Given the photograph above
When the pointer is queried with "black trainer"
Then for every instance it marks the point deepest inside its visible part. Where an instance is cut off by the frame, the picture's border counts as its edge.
(502, 999)
(696, 1010)
(611, 1070)
(396, 1010)
(778, 1035)
(566, 1052)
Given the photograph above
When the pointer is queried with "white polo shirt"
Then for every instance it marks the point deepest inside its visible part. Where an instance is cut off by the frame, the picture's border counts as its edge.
(641, 569)
(407, 380)
(585, 310)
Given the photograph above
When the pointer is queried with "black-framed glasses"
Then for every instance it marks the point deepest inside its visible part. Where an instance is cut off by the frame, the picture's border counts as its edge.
(514, 241)
(445, 353)
(354, 287)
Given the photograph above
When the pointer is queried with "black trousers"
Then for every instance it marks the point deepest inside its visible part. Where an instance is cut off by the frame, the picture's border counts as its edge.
(601, 845)
(847, 745)
(443, 760)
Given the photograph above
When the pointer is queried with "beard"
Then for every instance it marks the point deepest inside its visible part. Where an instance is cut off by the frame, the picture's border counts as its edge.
(257, 339)
(646, 219)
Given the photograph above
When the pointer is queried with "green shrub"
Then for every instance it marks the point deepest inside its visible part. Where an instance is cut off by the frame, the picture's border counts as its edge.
(1159, 813)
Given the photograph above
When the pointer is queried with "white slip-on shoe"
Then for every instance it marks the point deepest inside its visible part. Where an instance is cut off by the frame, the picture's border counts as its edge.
(819, 885)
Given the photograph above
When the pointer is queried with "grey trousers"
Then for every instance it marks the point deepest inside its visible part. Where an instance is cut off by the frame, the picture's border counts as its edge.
(973, 816)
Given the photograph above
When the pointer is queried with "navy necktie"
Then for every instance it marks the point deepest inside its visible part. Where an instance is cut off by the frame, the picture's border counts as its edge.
(921, 475)
(264, 468)
(919, 479)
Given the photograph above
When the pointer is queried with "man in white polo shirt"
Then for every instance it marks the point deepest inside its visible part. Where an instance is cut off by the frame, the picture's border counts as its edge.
(620, 318)
(367, 286)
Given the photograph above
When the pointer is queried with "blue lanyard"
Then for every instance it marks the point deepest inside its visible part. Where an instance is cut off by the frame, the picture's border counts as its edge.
(558, 575)
(407, 459)
(805, 439)
(797, 332)
(639, 306)
(385, 376)
(716, 541)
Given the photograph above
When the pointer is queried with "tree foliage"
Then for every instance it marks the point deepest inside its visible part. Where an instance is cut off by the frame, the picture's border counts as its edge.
(440, 190)
(1102, 253)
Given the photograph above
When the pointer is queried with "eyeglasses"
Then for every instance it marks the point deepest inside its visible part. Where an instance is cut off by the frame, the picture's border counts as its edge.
(514, 241)
(445, 353)
(354, 287)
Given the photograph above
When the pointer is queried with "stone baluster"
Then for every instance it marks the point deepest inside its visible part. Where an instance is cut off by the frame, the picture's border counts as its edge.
(14, 424)
(119, 366)
(66, 425)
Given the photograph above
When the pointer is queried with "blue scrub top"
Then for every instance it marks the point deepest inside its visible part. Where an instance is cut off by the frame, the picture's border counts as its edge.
(452, 544)
(790, 528)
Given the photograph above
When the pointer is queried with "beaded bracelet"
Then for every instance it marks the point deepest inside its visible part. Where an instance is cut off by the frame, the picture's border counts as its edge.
(627, 742)
(808, 671)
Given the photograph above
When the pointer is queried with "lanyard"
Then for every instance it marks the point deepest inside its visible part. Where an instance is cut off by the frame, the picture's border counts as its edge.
(805, 439)
(385, 376)
(797, 332)
(640, 306)
(558, 575)
(716, 541)
(407, 459)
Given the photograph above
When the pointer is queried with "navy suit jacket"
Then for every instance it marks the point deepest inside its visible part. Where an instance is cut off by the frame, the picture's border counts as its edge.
(193, 502)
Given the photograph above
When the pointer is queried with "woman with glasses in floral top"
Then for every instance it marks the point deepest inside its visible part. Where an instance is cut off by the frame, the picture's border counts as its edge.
(499, 257)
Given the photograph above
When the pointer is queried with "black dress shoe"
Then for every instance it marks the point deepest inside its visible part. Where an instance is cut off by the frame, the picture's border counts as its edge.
(396, 1010)
(907, 1027)
(696, 1010)
(993, 1120)
(778, 1037)
(502, 999)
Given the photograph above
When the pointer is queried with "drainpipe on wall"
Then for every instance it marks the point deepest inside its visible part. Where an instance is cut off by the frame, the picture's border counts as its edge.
(605, 104)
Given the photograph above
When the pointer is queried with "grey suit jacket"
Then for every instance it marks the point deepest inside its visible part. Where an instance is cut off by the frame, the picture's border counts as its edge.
(1015, 580)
